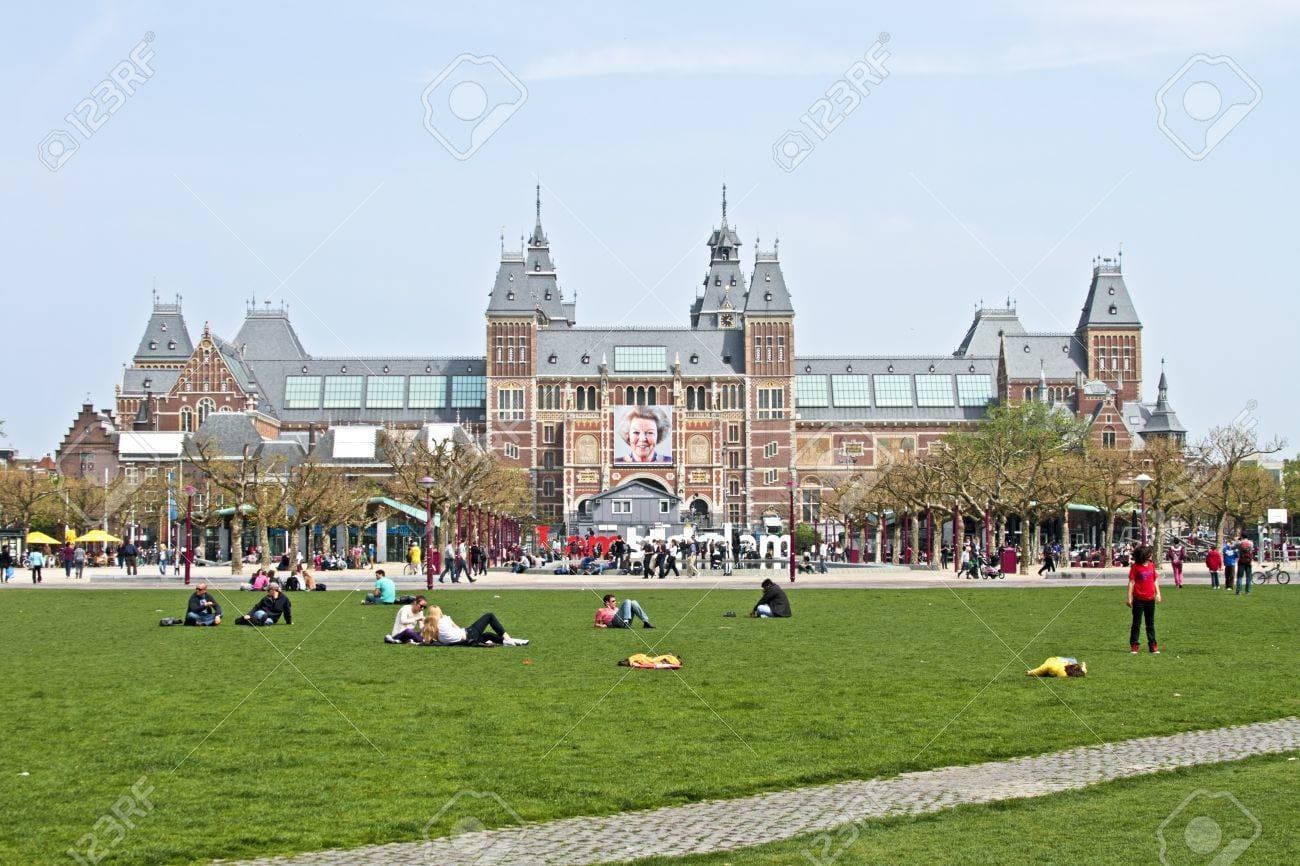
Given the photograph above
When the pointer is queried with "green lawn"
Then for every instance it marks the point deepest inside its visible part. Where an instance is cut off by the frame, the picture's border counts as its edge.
(1119, 822)
(355, 742)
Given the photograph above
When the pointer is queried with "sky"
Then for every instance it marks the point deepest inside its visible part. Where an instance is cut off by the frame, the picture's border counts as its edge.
(282, 152)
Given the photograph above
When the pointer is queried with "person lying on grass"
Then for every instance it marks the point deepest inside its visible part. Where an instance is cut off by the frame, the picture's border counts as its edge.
(202, 609)
(441, 629)
(613, 615)
(409, 622)
(1060, 666)
(269, 609)
(385, 590)
(774, 602)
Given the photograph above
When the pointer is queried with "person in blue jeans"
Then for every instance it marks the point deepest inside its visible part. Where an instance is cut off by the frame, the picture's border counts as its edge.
(613, 615)
(203, 609)
(385, 590)
(1245, 563)
(269, 609)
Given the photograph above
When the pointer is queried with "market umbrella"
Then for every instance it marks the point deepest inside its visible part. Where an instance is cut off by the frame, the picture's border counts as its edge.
(99, 536)
(40, 538)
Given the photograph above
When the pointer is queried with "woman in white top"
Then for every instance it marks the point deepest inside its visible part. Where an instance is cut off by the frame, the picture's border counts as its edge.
(409, 623)
(439, 628)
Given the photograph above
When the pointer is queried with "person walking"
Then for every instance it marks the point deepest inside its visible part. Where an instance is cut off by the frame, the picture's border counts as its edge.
(6, 564)
(79, 561)
(1214, 562)
(36, 561)
(66, 555)
(1229, 565)
(130, 555)
(1143, 596)
(1177, 553)
(1049, 560)
(1245, 563)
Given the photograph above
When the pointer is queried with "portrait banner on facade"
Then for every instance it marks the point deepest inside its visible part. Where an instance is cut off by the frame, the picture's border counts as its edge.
(643, 434)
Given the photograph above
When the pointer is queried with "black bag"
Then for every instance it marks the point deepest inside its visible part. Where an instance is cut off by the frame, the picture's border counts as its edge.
(170, 620)
(405, 599)
(320, 586)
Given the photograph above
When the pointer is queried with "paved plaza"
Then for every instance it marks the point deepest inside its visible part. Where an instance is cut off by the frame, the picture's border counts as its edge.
(837, 577)
(722, 825)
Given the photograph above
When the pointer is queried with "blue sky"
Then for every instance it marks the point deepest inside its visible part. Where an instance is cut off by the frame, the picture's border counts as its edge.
(276, 140)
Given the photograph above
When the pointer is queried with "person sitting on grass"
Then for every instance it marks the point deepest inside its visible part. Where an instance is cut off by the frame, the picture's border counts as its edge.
(613, 615)
(385, 590)
(256, 583)
(441, 629)
(1060, 666)
(203, 609)
(774, 602)
(269, 609)
(409, 623)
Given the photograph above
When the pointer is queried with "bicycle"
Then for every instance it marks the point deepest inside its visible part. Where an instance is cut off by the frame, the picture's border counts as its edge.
(1275, 572)
(410, 568)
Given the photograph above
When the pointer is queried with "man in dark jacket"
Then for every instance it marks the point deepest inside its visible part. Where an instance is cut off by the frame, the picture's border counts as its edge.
(129, 553)
(773, 602)
(269, 610)
(203, 609)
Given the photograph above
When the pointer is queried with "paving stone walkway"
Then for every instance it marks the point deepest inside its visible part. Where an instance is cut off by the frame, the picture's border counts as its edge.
(727, 824)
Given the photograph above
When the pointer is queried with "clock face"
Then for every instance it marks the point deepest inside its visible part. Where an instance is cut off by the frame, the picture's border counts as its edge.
(727, 320)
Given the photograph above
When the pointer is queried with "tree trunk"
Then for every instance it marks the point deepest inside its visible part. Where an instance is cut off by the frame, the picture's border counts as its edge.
(1026, 542)
(896, 540)
(936, 537)
(236, 543)
(1001, 536)
(958, 539)
(1065, 535)
(914, 539)
(878, 537)
(263, 543)
(1109, 539)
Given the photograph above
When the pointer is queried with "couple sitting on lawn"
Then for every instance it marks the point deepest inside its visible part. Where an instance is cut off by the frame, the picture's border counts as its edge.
(419, 624)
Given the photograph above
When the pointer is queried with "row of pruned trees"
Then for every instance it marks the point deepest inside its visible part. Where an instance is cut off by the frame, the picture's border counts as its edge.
(1030, 462)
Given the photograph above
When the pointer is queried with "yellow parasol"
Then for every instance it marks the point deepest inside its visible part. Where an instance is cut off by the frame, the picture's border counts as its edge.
(99, 536)
(40, 538)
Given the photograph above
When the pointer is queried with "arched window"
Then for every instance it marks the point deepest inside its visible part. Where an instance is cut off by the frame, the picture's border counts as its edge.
(206, 407)
(592, 402)
(650, 396)
(631, 395)
(690, 398)
(187, 419)
(582, 398)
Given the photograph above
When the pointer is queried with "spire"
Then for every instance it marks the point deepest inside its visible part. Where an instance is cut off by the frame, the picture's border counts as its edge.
(1042, 382)
(1162, 393)
(724, 205)
(539, 237)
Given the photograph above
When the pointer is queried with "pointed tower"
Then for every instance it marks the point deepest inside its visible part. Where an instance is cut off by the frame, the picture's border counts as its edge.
(166, 341)
(721, 299)
(1163, 423)
(1111, 332)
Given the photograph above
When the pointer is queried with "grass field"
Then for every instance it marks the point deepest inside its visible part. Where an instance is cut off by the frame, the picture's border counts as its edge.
(351, 741)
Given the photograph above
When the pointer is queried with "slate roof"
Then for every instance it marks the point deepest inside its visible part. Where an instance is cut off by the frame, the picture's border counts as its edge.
(982, 337)
(1160, 419)
(718, 352)
(160, 381)
(768, 295)
(1108, 303)
(271, 376)
(166, 338)
(1060, 356)
(230, 432)
(638, 486)
(268, 335)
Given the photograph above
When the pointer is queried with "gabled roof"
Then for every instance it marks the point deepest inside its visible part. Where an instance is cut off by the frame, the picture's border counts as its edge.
(1055, 356)
(166, 339)
(230, 432)
(1108, 303)
(635, 486)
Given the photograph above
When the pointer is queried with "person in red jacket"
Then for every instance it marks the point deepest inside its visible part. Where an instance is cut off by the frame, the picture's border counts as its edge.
(1214, 562)
(1143, 595)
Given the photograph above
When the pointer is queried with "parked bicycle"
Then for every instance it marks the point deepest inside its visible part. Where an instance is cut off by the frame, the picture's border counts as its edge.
(1275, 572)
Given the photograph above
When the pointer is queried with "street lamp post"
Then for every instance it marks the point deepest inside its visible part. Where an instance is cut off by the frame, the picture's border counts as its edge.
(189, 530)
(1142, 481)
(427, 483)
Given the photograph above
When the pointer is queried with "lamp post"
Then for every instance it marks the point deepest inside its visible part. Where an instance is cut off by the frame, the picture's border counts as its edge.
(189, 530)
(1142, 481)
(790, 485)
(427, 483)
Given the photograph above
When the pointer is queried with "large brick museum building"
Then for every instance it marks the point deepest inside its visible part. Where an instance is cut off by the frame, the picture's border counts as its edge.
(733, 412)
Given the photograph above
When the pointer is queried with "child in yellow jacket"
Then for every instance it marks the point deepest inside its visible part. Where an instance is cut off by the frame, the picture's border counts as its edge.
(1060, 666)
